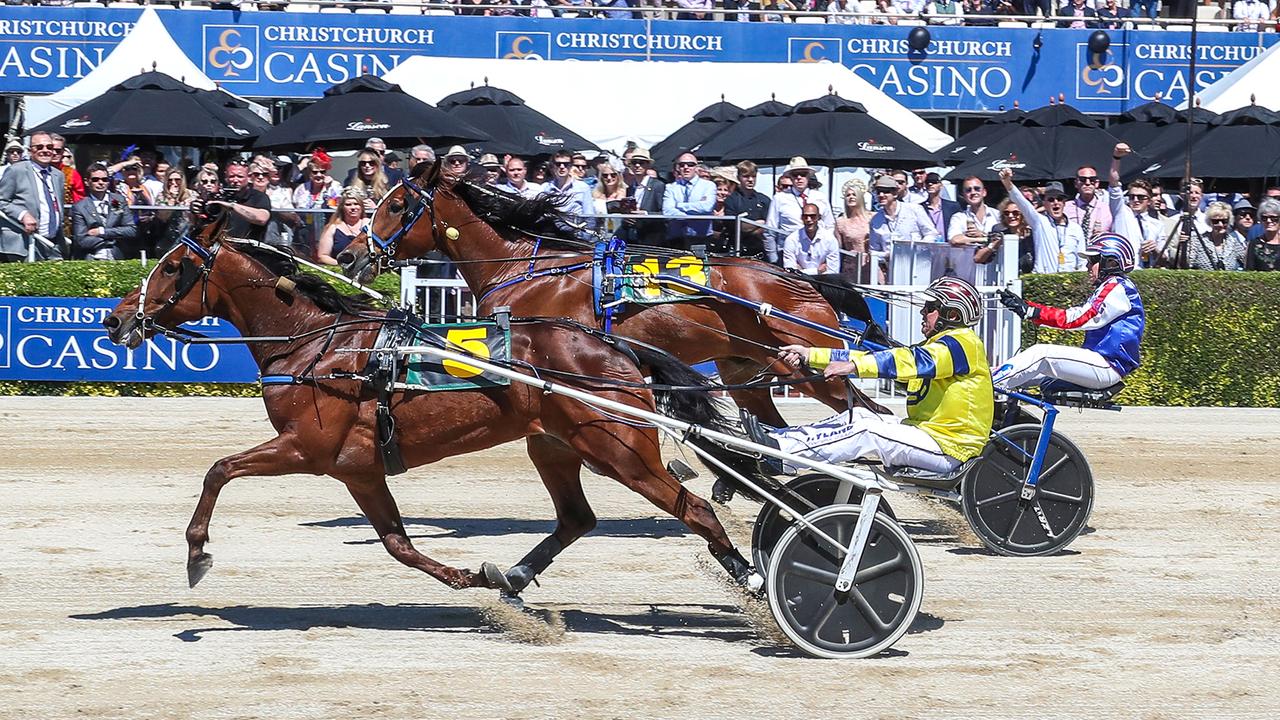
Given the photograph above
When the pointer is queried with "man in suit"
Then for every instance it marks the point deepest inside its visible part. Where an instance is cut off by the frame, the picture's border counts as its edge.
(1079, 15)
(939, 209)
(647, 190)
(30, 199)
(102, 221)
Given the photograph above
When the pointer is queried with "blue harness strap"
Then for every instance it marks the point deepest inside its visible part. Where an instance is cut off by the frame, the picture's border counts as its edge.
(279, 380)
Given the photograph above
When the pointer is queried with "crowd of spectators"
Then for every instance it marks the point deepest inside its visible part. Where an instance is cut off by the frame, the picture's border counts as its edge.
(142, 204)
(1251, 15)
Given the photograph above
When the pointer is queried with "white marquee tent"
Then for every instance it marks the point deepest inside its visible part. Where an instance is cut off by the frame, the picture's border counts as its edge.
(1254, 80)
(610, 102)
(148, 46)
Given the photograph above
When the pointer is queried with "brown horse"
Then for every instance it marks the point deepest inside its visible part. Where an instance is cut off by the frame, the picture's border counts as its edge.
(434, 212)
(326, 419)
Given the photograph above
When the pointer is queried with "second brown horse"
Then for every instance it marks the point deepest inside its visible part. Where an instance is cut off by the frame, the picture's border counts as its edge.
(436, 212)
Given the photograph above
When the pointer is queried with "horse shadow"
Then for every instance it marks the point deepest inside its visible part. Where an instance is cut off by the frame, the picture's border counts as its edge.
(491, 527)
(723, 623)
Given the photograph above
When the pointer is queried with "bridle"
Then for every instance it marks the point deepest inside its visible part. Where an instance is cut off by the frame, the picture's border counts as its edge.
(188, 275)
(418, 201)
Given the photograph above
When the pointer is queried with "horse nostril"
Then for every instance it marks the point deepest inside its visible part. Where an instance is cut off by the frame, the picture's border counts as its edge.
(345, 258)
(111, 323)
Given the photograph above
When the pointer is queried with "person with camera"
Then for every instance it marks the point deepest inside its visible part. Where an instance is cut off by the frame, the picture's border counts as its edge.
(102, 222)
(249, 209)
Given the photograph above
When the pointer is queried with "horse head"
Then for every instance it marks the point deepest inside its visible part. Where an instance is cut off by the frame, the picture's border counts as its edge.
(402, 226)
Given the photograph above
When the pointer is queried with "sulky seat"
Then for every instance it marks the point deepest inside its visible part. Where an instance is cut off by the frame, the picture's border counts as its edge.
(1065, 394)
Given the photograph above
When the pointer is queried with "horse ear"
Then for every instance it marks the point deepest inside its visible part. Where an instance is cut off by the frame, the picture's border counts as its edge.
(214, 231)
(422, 169)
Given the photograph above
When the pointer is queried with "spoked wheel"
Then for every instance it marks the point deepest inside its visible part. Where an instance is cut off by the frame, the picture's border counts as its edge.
(810, 493)
(867, 619)
(992, 502)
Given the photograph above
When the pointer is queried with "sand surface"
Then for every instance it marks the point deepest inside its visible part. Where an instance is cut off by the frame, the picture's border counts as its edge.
(1167, 608)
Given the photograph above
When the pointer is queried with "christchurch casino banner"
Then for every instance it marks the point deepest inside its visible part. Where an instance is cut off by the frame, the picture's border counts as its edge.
(63, 339)
(283, 55)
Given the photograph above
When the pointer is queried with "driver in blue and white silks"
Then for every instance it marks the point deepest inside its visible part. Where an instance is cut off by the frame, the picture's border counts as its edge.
(949, 395)
(1112, 318)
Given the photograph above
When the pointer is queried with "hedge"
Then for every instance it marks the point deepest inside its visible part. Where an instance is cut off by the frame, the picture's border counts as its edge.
(106, 280)
(1210, 341)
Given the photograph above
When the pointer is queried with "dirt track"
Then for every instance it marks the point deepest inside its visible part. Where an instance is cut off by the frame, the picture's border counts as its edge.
(1168, 609)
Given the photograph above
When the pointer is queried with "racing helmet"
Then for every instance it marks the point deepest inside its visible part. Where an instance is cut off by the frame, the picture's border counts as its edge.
(1113, 251)
(959, 304)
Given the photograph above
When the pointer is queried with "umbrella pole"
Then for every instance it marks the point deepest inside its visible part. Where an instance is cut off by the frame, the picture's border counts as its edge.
(1188, 213)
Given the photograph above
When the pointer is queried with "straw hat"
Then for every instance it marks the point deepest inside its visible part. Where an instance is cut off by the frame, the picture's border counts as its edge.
(726, 173)
(798, 164)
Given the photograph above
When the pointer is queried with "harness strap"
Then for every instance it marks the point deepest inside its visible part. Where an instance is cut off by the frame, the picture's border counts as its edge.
(562, 270)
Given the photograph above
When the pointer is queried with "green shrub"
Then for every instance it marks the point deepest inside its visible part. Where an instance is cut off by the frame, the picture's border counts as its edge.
(1209, 340)
(107, 280)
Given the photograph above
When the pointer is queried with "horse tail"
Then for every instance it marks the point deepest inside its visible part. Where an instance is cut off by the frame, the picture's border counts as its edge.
(845, 297)
(687, 396)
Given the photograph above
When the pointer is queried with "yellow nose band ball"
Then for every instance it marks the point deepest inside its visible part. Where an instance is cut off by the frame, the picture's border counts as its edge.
(452, 233)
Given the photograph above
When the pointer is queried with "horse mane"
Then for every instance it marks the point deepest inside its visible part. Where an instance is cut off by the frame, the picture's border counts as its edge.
(312, 287)
(542, 215)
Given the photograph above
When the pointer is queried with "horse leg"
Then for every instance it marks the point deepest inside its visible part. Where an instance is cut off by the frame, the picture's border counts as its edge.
(559, 467)
(277, 456)
(631, 457)
(758, 402)
(377, 504)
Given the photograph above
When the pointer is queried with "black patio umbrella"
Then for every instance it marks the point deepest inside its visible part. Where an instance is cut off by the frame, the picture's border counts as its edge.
(706, 122)
(156, 108)
(1244, 143)
(1139, 126)
(977, 139)
(364, 107)
(514, 128)
(831, 130)
(1051, 143)
(754, 121)
(1170, 141)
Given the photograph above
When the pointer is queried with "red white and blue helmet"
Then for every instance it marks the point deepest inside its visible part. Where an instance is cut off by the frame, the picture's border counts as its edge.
(959, 302)
(1113, 247)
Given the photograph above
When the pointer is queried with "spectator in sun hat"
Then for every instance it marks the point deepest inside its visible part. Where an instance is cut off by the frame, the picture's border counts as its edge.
(455, 162)
(897, 220)
(12, 153)
(1244, 216)
(786, 208)
(391, 161)
(492, 169)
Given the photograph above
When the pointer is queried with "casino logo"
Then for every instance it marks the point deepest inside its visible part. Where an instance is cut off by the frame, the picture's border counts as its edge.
(230, 53)
(1101, 77)
(812, 50)
(524, 45)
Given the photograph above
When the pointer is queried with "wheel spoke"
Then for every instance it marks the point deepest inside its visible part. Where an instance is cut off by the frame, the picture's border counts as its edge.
(868, 613)
(809, 572)
(821, 617)
(997, 498)
(843, 491)
(1013, 526)
(1013, 476)
(1046, 472)
(1059, 497)
(879, 570)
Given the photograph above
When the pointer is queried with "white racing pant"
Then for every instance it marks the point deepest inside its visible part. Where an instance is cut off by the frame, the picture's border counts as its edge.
(1037, 363)
(838, 439)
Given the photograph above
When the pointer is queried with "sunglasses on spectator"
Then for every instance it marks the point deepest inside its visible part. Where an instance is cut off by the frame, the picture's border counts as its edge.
(686, 164)
(456, 160)
(580, 166)
(810, 215)
(1219, 221)
(257, 173)
(608, 176)
(1138, 196)
(1012, 213)
(367, 162)
(639, 161)
(934, 182)
(974, 188)
(884, 191)
(561, 163)
(208, 181)
(1271, 218)
(104, 178)
(319, 172)
(43, 146)
(1086, 178)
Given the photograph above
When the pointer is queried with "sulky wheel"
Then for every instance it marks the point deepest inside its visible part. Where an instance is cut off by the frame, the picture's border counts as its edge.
(807, 493)
(867, 619)
(991, 494)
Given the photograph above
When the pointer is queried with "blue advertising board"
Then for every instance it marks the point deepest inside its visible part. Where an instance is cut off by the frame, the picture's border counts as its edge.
(292, 55)
(62, 339)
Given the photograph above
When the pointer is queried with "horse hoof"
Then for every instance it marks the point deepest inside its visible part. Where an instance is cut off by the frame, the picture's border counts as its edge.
(495, 577)
(511, 599)
(198, 567)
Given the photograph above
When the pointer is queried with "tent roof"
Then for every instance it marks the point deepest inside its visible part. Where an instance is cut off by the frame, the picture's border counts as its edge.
(647, 101)
(148, 46)
(1254, 81)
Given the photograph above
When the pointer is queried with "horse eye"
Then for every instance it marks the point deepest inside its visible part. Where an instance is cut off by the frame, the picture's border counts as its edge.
(396, 207)
(170, 268)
